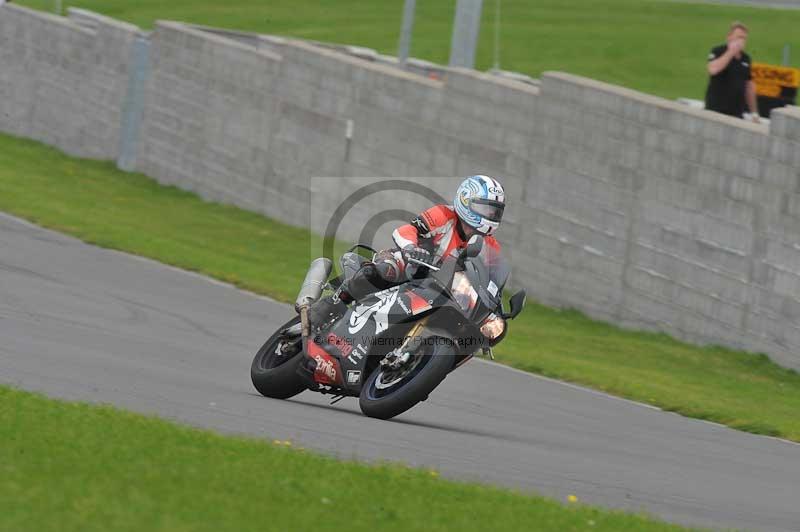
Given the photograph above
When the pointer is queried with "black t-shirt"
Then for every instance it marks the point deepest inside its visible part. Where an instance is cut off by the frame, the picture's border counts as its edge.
(726, 90)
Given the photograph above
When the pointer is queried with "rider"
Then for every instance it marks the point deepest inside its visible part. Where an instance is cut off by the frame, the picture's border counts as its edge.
(439, 231)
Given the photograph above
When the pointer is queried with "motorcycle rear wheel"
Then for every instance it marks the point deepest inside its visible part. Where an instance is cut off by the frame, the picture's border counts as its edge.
(273, 374)
(388, 402)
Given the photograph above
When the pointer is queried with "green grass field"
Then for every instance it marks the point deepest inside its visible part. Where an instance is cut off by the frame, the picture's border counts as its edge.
(99, 204)
(74, 467)
(659, 47)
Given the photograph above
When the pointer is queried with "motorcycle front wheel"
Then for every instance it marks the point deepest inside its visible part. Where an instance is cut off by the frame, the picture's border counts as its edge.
(274, 368)
(387, 393)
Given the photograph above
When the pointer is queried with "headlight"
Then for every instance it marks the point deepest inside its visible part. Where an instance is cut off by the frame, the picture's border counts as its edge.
(493, 326)
(464, 294)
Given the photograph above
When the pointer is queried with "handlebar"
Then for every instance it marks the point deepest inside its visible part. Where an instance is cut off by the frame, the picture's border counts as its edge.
(421, 263)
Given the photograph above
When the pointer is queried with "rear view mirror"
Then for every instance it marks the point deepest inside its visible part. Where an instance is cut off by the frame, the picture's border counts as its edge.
(517, 303)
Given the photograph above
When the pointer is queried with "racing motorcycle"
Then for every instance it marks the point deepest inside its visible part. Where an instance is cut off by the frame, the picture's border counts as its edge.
(393, 347)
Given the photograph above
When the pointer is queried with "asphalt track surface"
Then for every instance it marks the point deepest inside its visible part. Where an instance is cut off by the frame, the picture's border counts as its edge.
(80, 322)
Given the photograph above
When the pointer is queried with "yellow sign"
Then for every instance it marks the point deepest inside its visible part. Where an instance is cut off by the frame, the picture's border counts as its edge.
(770, 79)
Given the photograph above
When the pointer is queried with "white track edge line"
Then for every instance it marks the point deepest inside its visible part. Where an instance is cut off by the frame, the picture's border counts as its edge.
(153, 262)
(217, 282)
(632, 401)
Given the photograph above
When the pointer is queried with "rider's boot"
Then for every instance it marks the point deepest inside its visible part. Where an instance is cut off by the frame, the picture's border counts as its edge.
(366, 280)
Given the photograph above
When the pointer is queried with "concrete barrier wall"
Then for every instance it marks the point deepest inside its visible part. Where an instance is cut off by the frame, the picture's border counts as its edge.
(209, 112)
(648, 214)
(251, 125)
(63, 81)
(632, 208)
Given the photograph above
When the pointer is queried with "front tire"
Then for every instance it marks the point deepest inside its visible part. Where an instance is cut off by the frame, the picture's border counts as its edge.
(385, 403)
(275, 374)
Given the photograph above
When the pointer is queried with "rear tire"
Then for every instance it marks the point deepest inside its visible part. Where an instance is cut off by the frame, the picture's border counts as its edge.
(273, 377)
(383, 404)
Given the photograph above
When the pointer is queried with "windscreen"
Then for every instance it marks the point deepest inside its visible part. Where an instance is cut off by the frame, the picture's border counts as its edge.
(497, 269)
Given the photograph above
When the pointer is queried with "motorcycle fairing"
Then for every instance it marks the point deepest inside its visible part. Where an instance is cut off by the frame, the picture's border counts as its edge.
(327, 369)
(375, 325)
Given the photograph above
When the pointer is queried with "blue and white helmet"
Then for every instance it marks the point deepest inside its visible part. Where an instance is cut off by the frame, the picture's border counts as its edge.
(479, 203)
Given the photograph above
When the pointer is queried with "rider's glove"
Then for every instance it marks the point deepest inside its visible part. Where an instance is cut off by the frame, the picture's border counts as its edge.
(416, 253)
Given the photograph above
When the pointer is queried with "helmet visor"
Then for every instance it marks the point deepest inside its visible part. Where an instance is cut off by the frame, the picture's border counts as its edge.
(490, 209)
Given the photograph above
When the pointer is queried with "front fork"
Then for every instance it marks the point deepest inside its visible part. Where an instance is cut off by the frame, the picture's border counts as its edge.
(397, 358)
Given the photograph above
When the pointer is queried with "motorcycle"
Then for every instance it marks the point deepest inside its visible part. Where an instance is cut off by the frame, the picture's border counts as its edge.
(393, 347)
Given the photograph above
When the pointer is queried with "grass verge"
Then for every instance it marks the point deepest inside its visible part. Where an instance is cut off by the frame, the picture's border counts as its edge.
(72, 466)
(99, 204)
(659, 47)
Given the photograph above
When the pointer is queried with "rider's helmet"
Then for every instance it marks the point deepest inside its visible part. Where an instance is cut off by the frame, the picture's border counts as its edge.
(479, 203)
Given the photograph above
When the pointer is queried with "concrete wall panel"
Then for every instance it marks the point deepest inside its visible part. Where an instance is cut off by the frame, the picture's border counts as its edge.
(630, 207)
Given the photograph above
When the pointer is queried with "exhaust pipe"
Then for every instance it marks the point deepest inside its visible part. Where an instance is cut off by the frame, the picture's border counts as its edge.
(315, 280)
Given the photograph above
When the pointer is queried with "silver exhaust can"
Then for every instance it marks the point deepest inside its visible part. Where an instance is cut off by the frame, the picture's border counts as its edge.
(314, 282)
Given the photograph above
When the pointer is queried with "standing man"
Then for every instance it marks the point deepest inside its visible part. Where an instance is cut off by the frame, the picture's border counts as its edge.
(731, 85)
